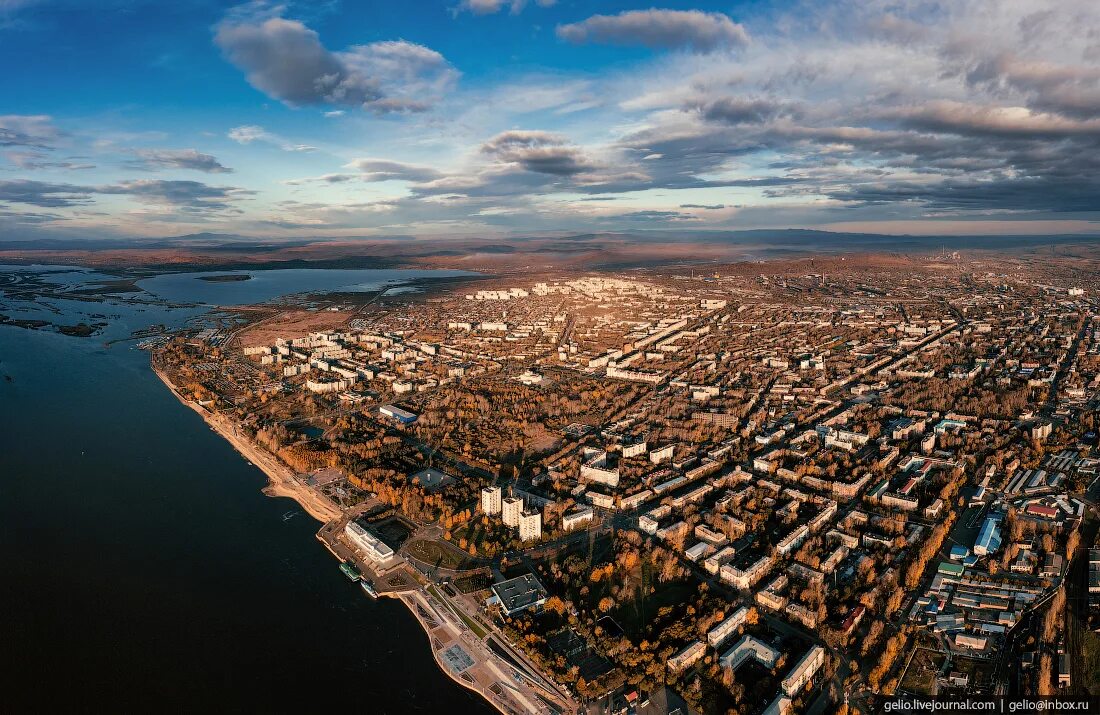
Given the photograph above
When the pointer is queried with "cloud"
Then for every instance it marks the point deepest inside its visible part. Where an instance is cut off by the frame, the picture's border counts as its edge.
(384, 170)
(659, 29)
(185, 195)
(249, 133)
(37, 160)
(973, 119)
(44, 194)
(27, 130)
(191, 159)
(286, 60)
(489, 7)
(651, 216)
(740, 110)
(189, 196)
(537, 151)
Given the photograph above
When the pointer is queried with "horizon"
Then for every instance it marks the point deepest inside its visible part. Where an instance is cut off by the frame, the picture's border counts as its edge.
(496, 119)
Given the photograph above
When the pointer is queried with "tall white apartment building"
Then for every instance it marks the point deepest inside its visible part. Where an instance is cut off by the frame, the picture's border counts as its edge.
(530, 525)
(512, 509)
(490, 500)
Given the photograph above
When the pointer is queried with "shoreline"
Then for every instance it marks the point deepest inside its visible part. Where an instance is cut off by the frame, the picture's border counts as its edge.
(410, 603)
(283, 483)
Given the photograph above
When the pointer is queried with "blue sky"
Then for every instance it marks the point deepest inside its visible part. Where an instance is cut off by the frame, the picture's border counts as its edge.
(476, 117)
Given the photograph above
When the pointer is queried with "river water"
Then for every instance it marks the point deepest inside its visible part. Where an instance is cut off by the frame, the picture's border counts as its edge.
(141, 567)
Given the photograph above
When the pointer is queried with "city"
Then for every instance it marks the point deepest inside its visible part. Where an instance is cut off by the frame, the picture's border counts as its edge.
(771, 487)
(550, 357)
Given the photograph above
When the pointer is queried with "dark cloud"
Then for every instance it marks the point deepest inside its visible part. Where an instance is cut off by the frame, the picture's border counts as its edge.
(1031, 194)
(286, 60)
(191, 196)
(178, 159)
(385, 170)
(661, 29)
(188, 195)
(37, 160)
(540, 152)
(740, 110)
(44, 194)
(652, 216)
(27, 130)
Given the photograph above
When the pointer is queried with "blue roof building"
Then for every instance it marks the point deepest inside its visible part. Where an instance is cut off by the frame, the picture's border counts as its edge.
(989, 538)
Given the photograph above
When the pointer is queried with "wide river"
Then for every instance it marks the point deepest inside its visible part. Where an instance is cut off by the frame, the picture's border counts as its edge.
(141, 567)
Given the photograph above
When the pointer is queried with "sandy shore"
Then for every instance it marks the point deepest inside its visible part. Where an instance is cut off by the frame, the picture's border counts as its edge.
(282, 481)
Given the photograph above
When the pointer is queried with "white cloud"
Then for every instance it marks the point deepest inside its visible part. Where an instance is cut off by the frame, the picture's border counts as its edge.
(249, 133)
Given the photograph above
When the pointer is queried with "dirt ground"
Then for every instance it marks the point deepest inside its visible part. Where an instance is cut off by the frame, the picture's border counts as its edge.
(292, 324)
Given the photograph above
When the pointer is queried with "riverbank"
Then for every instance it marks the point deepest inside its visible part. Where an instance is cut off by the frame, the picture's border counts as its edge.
(442, 637)
(449, 640)
(282, 482)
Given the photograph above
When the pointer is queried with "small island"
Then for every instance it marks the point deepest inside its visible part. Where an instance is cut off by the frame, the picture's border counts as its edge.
(226, 278)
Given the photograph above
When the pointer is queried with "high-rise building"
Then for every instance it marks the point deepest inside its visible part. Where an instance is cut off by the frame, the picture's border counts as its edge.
(513, 507)
(530, 525)
(490, 500)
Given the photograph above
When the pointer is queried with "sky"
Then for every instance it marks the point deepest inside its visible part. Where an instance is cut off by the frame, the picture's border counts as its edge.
(338, 118)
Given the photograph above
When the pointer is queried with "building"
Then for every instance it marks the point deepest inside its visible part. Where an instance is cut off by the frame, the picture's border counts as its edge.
(725, 629)
(804, 672)
(517, 595)
(530, 525)
(970, 642)
(367, 543)
(490, 500)
(512, 508)
(687, 657)
(749, 647)
(745, 578)
(403, 416)
(576, 519)
(989, 538)
(663, 454)
(699, 551)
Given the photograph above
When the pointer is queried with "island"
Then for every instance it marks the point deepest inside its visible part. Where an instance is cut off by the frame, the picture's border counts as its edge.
(226, 278)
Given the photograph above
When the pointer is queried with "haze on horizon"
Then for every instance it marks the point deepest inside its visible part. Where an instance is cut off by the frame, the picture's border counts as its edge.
(479, 117)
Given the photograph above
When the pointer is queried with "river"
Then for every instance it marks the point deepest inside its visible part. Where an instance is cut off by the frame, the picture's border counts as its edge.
(141, 567)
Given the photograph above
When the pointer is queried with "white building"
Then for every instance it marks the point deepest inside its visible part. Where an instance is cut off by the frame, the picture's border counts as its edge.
(747, 577)
(725, 629)
(512, 508)
(749, 647)
(367, 543)
(576, 519)
(490, 500)
(530, 525)
(687, 657)
(663, 454)
(804, 671)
